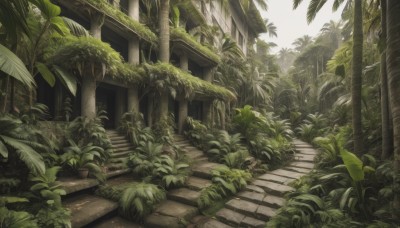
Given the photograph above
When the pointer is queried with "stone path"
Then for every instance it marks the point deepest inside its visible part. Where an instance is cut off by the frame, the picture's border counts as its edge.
(255, 205)
(250, 208)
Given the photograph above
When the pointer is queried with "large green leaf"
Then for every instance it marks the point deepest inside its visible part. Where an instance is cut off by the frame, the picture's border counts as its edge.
(353, 165)
(30, 157)
(48, 9)
(3, 150)
(68, 80)
(46, 74)
(13, 66)
(75, 28)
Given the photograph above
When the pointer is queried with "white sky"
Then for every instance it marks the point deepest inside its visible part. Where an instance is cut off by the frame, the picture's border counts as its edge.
(292, 24)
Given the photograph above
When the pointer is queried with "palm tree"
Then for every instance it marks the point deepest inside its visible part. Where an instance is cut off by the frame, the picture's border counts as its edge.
(393, 63)
(333, 31)
(313, 8)
(271, 28)
(301, 43)
(163, 24)
(387, 143)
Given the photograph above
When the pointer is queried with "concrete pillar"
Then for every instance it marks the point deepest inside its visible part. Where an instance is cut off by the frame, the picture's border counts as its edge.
(208, 73)
(133, 51)
(183, 103)
(88, 96)
(133, 100)
(207, 111)
(134, 59)
(119, 105)
(133, 9)
(88, 86)
(183, 113)
(96, 21)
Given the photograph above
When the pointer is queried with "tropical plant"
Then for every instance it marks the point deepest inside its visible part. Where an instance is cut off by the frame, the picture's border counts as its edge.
(223, 144)
(225, 182)
(83, 157)
(16, 219)
(143, 159)
(132, 124)
(139, 200)
(15, 143)
(45, 194)
(172, 174)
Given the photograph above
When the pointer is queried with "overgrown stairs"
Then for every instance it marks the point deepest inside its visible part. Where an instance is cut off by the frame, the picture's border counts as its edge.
(255, 205)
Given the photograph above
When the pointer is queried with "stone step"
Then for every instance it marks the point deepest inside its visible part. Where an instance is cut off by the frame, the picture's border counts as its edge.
(116, 137)
(71, 185)
(203, 169)
(309, 151)
(252, 222)
(251, 209)
(212, 223)
(118, 172)
(272, 187)
(119, 141)
(195, 154)
(297, 169)
(273, 201)
(121, 145)
(196, 183)
(120, 154)
(230, 217)
(275, 178)
(170, 214)
(305, 165)
(286, 173)
(123, 149)
(88, 208)
(184, 195)
(304, 157)
(242, 206)
(254, 188)
(116, 222)
(254, 197)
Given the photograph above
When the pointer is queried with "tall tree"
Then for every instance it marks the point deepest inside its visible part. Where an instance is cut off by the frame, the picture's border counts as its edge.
(164, 35)
(393, 70)
(302, 42)
(313, 8)
(387, 143)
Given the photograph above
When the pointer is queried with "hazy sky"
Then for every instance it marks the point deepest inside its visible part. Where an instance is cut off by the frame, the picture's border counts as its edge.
(292, 24)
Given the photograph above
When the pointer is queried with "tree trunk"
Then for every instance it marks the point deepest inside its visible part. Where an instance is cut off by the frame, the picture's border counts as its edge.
(164, 51)
(387, 135)
(164, 31)
(393, 70)
(356, 77)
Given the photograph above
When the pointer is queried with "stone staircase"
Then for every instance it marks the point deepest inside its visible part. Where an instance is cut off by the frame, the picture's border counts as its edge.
(87, 208)
(180, 207)
(255, 205)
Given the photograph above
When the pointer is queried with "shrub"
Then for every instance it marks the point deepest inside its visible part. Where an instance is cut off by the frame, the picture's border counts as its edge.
(225, 182)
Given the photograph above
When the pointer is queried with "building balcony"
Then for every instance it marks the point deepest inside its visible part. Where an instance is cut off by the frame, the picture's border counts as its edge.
(115, 19)
(183, 42)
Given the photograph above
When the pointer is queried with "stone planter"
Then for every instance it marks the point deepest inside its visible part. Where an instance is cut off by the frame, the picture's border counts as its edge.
(83, 173)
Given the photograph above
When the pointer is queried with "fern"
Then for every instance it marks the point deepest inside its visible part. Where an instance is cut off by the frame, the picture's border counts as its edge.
(226, 182)
(139, 200)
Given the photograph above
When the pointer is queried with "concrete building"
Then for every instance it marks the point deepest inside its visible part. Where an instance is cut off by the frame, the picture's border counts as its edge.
(117, 22)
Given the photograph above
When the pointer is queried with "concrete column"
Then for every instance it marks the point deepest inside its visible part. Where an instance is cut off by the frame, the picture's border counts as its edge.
(133, 9)
(133, 51)
(183, 103)
(119, 105)
(88, 86)
(134, 59)
(223, 111)
(207, 111)
(88, 96)
(183, 113)
(133, 100)
(208, 73)
(96, 21)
